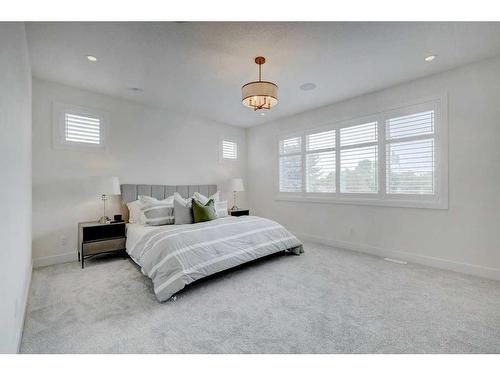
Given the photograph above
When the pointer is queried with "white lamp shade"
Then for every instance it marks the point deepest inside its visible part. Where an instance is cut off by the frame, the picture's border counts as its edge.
(106, 185)
(236, 184)
(260, 95)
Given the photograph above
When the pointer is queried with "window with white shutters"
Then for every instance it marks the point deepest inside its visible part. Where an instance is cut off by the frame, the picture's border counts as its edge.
(320, 162)
(395, 158)
(78, 128)
(290, 165)
(359, 158)
(229, 150)
(410, 156)
(83, 129)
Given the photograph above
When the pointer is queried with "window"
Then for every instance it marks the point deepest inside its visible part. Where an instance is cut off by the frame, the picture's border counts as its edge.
(410, 154)
(78, 127)
(395, 158)
(229, 150)
(359, 159)
(320, 162)
(290, 168)
(83, 129)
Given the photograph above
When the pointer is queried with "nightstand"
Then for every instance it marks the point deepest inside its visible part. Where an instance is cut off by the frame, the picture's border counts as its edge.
(95, 238)
(239, 212)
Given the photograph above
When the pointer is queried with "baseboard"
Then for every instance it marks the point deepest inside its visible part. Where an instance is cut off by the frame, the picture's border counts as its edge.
(470, 269)
(25, 307)
(54, 259)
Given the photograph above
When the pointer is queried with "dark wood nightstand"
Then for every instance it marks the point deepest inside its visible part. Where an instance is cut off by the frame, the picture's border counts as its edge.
(239, 212)
(95, 238)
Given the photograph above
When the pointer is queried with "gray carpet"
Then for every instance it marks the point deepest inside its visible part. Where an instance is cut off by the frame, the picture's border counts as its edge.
(325, 301)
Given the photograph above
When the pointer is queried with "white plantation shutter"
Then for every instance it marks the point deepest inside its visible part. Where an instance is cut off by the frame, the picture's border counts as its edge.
(410, 154)
(359, 159)
(358, 134)
(291, 145)
(291, 173)
(410, 167)
(320, 141)
(229, 150)
(290, 165)
(410, 125)
(79, 128)
(82, 129)
(320, 162)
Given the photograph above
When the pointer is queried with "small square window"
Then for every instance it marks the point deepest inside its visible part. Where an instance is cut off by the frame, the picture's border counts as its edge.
(229, 150)
(82, 128)
(78, 127)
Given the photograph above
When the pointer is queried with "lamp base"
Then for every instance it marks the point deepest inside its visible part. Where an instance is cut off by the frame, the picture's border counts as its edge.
(104, 219)
(234, 208)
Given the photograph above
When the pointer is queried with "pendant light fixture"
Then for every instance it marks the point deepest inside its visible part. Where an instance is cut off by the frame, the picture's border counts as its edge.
(260, 94)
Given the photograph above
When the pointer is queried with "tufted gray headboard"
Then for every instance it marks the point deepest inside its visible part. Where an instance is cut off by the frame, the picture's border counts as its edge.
(130, 192)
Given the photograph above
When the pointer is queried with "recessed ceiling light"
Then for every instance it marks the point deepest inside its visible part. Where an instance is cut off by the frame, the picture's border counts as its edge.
(430, 58)
(91, 58)
(308, 86)
(262, 114)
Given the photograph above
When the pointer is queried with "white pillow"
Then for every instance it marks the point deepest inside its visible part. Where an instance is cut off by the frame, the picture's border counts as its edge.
(150, 201)
(134, 211)
(221, 208)
(204, 200)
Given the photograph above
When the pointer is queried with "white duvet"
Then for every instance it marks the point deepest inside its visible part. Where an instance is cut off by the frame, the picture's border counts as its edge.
(176, 255)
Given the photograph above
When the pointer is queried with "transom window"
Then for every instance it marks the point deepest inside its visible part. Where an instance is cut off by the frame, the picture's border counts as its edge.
(391, 158)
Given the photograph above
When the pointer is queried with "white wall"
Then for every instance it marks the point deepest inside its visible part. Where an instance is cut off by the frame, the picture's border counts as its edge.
(15, 186)
(465, 237)
(145, 145)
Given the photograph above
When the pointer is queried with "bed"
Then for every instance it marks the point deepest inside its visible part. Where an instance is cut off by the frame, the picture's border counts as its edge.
(174, 256)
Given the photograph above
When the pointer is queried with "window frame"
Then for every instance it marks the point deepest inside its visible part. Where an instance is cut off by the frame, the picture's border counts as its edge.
(59, 141)
(438, 200)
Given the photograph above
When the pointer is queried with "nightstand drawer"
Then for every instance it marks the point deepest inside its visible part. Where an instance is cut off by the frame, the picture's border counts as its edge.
(102, 232)
(97, 247)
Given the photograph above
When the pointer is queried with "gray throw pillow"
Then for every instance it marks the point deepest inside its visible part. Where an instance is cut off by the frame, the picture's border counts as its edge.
(183, 211)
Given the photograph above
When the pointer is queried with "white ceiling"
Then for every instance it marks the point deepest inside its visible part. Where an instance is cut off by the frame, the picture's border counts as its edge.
(200, 67)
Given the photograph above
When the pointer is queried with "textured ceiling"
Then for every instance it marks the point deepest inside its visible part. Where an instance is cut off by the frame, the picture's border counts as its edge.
(199, 68)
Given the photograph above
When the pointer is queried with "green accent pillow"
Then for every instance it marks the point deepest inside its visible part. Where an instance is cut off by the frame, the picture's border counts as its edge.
(203, 212)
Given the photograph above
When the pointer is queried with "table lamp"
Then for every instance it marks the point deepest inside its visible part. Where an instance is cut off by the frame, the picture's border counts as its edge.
(105, 186)
(235, 185)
